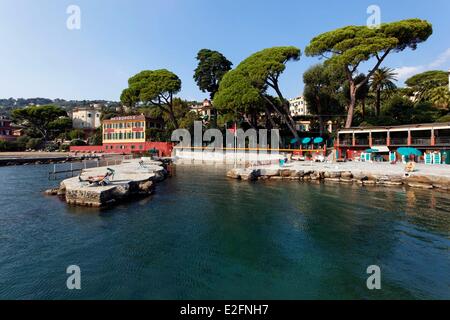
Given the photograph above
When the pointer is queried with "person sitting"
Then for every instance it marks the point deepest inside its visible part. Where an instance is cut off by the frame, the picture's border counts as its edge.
(100, 180)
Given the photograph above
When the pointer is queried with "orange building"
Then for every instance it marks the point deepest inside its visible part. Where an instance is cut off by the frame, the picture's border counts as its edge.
(127, 135)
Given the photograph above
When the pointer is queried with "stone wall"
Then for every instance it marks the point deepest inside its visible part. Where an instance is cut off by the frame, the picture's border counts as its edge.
(348, 177)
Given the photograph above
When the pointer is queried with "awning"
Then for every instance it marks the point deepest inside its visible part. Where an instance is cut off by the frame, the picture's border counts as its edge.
(381, 149)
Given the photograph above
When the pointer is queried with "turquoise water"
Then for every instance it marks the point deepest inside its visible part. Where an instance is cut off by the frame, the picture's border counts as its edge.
(202, 236)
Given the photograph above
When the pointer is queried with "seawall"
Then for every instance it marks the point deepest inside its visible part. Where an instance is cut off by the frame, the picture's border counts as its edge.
(364, 175)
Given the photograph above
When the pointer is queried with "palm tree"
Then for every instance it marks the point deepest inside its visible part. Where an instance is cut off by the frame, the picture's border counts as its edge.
(382, 79)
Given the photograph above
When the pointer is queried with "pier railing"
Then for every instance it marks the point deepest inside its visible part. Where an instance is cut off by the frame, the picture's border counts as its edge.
(71, 169)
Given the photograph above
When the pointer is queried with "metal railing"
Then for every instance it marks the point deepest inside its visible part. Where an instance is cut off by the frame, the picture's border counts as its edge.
(70, 169)
(379, 141)
(421, 141)
(442, 140)
(399, 141)
(346, 142)
(362, 142)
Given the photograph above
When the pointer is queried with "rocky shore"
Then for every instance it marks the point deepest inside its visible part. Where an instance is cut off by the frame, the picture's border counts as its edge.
(131, 179)
(345, 174)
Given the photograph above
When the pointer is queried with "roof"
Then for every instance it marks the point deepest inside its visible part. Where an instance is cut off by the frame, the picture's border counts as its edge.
(126, 118)
(405, 126)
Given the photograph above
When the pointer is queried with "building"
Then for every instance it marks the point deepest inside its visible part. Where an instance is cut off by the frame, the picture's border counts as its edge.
(298, 107)
(425, 137)
(128, 134)
(204, 110)
(86, 118)
(7, 131)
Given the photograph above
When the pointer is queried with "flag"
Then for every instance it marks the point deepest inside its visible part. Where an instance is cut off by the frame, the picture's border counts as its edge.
(233, 129)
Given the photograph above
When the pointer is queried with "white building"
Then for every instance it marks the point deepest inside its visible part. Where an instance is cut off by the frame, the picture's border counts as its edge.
(204, 109)
(86, 117)
(298, 107)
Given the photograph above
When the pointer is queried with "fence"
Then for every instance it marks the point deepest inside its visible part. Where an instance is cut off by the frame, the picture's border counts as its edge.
(65, 170)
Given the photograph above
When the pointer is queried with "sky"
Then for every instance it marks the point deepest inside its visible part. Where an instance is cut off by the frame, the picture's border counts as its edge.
(41, 57)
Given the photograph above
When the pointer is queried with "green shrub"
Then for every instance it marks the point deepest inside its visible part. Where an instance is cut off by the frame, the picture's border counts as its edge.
(34, 143)
(77, 142)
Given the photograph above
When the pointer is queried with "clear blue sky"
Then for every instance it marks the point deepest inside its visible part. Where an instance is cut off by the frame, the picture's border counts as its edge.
(118, 38)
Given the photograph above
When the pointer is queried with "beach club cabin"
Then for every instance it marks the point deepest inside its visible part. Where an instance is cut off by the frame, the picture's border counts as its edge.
(384, 141)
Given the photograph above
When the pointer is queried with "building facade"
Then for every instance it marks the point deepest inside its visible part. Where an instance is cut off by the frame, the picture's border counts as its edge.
(298, 107)
(7, 131)
(432, 137)
(86, 118)
(204, 110)
(128, 134)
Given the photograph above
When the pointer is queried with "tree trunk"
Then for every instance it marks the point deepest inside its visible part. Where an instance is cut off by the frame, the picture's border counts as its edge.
(319, 112)
(378, 103)
(351, 105)
(287, 113)
(287, 118)
(363, 106)
(270, 124)
(172, 117)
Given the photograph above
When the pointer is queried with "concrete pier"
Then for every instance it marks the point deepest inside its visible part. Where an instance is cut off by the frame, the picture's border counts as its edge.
(364, 174)
(130, 179)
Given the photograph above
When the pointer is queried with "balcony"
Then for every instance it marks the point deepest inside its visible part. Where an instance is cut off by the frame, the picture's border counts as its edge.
(346, 142)
(442, 141)
(399, 142)
(362, 142)
(379, 142)
(420, 141)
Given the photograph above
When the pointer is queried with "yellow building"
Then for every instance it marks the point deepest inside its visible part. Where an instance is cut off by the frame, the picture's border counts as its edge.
(124, 129)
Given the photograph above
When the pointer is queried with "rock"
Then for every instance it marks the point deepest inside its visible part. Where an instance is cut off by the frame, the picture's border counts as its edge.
(415, 179)
(52, 192)
(441, 186)
(334, 174)
(390, 183)
(332, 180)
(286, 172)
(269, 172)
(146, 187)
(234, 174)
(315, 176)
(276, 178)
(346, 175)
(369, 182)
(300, 173)
(345, 180)
(420, 185)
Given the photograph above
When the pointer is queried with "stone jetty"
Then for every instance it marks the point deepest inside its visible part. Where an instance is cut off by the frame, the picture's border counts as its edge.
(364, 174)
(131, 179)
